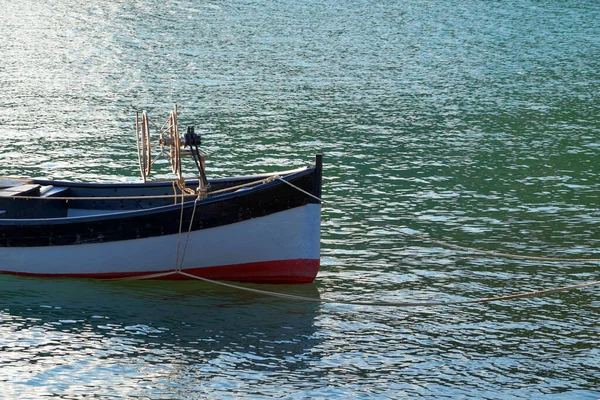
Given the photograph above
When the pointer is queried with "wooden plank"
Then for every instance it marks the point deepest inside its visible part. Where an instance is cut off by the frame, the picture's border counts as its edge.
(6, 182)
(54, 191)
(22, 190)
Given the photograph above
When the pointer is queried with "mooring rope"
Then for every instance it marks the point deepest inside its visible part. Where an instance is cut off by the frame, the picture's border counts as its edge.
(442, 243)
(179, 235)
(287, 296)
(187, 239)
(245, 185)
(538, 293)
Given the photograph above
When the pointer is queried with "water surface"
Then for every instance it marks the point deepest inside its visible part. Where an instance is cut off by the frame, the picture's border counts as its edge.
(472, 122)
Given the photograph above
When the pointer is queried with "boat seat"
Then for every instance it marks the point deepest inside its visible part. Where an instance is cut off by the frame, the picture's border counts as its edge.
(53, 191)
(21, 190)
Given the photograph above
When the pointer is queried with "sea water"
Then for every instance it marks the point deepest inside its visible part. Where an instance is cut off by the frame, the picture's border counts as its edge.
(474, 123)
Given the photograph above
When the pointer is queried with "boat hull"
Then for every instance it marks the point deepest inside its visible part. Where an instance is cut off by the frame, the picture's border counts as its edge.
(261, 229)
(278, 248)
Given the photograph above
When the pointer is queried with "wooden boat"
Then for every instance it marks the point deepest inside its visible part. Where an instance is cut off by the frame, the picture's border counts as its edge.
(261, 228)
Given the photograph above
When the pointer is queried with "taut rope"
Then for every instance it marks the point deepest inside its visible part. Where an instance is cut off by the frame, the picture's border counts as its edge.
(422, 237)
(538, 293)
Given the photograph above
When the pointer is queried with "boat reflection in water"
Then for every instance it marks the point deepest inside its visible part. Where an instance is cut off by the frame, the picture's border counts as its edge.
(167, 330)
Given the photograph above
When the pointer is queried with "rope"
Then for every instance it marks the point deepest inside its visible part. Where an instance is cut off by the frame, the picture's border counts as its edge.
(279, 178)
(179, 236)
(443, 243)
(178, 270)
(183, 188)
(232, 188)
(174, 192)
(189, 192)
(179, 266)
(537, 293)
(187, 239)
(506, 255)
(144, 277)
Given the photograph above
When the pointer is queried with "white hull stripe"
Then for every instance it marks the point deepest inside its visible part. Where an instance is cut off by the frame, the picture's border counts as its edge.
(288, 235)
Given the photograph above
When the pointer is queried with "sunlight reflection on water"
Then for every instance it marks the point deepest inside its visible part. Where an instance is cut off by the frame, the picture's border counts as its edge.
(475, 124)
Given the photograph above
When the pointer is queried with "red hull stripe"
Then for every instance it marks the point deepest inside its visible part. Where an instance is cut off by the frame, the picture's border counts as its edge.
(284, 271)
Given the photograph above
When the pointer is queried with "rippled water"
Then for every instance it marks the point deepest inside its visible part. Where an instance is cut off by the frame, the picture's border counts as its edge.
(473, 122)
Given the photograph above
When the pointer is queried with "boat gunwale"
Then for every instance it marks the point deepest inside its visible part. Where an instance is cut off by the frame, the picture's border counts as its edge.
(166, 182)
(295, 174)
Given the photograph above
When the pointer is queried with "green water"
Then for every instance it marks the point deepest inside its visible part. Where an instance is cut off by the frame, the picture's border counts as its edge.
(473, 122)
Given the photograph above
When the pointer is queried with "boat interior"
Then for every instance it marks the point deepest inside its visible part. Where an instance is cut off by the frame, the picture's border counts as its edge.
(41, 199)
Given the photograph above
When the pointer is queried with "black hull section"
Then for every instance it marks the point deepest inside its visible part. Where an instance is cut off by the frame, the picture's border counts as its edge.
(147, 219)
